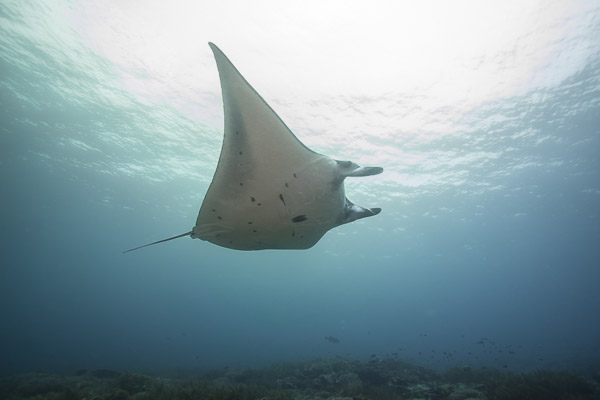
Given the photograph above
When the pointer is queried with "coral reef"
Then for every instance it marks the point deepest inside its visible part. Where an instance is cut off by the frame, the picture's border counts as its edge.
(322, 379)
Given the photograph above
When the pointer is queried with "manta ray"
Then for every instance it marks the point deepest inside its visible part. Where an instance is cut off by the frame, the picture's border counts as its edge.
(269, 190)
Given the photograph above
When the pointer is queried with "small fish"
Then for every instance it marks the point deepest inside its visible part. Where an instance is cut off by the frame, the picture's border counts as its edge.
(332, 339)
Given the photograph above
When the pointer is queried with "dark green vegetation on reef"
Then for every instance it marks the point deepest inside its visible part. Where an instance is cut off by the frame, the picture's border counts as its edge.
(331, 379)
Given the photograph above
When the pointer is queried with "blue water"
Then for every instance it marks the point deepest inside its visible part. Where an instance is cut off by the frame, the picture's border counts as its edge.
(486, 253)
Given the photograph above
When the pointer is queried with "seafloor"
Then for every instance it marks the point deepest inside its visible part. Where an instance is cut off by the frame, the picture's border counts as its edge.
(338, 379)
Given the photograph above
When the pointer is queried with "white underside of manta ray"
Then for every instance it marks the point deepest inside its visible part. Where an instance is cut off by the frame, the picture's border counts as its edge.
(269, 191)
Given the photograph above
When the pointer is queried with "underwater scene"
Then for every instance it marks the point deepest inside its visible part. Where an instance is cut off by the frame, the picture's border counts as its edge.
(387, 200)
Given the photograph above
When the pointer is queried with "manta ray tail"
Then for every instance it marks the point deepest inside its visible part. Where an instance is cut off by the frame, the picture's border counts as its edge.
(159, 241)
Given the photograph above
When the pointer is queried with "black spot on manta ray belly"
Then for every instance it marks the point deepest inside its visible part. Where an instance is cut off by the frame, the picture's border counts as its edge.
(299, 218)
(252, 199)
(282, 200)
